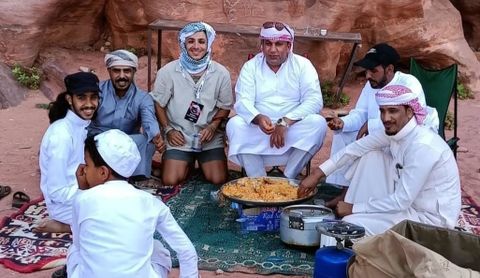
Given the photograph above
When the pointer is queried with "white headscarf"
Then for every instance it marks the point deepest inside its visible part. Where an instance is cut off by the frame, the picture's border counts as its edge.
(121, 57)
(119, 151)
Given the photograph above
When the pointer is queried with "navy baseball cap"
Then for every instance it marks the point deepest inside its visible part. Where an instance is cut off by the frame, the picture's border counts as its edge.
(380, 54)
(82, 82)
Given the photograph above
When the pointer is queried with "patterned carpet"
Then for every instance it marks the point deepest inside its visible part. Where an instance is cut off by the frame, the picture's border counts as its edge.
(25, 251)
(221, 244)
(469, 220)
(212, 228)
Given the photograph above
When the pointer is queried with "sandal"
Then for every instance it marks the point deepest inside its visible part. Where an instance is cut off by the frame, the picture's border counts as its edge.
(19, 199)
(60, 273)
(4, 190)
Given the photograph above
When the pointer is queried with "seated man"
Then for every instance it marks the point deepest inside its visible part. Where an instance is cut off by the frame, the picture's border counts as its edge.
(278, 99)
(379, 63)
(192, 96)
(126, 107)
(61, 150)
(406, 171)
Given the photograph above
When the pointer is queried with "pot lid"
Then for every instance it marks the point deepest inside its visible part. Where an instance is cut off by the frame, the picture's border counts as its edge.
(308, 211)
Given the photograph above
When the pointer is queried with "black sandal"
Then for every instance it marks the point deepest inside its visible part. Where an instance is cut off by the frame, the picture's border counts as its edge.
(4, 190)
(19, 199)
(60, 273)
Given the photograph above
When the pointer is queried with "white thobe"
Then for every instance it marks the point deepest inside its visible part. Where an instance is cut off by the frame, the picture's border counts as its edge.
(292, 92)
(411, 175)
(113, 227)
(61, 151)
(367, 110)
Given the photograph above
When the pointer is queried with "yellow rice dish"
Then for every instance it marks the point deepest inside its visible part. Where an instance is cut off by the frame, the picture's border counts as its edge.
(261, 189)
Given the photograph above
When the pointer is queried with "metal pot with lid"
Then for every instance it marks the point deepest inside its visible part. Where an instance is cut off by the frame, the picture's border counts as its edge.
(298, 224)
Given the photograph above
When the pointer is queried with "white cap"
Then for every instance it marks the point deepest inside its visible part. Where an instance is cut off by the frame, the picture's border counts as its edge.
(119, 151)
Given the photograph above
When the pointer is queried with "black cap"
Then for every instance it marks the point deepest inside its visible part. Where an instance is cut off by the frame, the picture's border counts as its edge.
(81, 82)
(380, 54)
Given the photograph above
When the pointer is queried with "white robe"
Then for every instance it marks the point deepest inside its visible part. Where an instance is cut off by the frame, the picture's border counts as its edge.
(113, 227)
(411, 175)
(367, 110)
(61, 151)
(293, 92)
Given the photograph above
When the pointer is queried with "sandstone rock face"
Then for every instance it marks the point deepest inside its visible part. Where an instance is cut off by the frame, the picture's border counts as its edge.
(470, 11)
(430, 30)
(29, 25)
(11, 93)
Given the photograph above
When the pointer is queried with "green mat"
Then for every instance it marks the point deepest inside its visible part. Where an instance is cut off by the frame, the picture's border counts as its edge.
(221, 244)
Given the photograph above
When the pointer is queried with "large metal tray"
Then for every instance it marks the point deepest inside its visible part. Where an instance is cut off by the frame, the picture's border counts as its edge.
(267, 203)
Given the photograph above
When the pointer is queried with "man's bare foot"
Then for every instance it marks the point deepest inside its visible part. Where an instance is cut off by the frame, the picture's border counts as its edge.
(52, 226)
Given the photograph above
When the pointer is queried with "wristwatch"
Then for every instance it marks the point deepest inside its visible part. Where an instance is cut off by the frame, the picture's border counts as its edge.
(167, 129)
(282, 122)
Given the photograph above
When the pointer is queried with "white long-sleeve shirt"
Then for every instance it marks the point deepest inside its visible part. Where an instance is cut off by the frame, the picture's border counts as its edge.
(292, 92)
(61, 151)
(427, 178)
(366, 108)
(113, 227)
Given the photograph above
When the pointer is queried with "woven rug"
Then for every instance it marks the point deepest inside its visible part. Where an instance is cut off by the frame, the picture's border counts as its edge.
(469, 220)
(213, 230)
(221, 244)
(25, 251)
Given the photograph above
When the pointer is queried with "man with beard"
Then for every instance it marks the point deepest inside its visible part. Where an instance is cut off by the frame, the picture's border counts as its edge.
(379, 64)
(126, 107)
(405, 171)
(61, 150)
(278, 100)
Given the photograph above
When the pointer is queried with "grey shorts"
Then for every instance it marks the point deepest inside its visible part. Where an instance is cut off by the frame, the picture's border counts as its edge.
(190, 157)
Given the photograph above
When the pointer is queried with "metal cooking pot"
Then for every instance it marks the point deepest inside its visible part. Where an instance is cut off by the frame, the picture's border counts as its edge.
(297, 224)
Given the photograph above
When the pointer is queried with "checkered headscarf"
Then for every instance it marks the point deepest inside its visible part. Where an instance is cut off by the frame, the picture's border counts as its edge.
(188, 63)
(402, 95)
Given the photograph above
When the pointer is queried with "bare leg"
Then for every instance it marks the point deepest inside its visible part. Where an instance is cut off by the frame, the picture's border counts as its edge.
(174, 171)
(52, 226)
(215, 171)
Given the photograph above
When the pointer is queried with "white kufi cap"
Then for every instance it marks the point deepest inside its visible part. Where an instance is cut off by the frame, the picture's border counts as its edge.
(119, 151)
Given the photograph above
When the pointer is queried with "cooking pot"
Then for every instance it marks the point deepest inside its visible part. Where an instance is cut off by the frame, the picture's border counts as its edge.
(297, 224)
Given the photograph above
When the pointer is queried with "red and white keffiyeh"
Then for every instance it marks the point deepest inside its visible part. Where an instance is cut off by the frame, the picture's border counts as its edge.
(402, 95)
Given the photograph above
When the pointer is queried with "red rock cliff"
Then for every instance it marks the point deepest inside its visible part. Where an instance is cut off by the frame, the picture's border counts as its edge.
(430, 30)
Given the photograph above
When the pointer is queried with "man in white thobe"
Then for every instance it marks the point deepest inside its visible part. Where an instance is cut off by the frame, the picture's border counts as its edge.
(379, 64)
(278, 99)
(61, 150)
(406, 171)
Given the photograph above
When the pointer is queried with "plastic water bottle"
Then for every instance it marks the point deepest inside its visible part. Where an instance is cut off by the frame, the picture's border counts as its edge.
(196, 144)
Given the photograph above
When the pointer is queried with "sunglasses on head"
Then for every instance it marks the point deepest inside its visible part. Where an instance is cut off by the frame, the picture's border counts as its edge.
(278, 25)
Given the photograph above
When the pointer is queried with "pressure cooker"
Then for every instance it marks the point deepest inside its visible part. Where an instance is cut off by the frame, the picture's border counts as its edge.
(297, 224)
